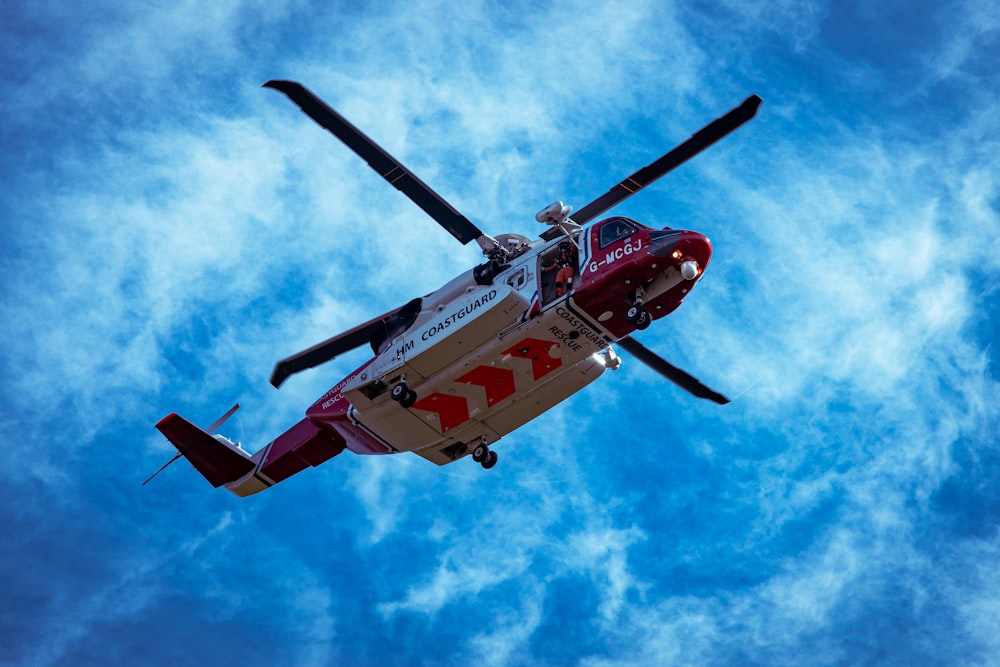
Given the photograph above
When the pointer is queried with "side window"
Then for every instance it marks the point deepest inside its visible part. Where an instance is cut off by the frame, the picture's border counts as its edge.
(518, 278)
(615, 230)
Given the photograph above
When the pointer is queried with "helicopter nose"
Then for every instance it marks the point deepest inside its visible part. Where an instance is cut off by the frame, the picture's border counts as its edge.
(689, 251)
(662, 242)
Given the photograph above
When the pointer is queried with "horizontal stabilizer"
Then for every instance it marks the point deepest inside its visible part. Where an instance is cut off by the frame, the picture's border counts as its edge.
(216, 461)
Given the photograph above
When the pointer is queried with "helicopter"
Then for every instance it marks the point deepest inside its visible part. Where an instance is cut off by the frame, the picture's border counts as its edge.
(454, 371)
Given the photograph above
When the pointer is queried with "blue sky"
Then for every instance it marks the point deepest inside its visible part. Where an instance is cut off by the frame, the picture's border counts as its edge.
(170, 230)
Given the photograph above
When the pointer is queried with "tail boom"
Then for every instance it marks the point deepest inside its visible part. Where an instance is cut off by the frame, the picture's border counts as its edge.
(302, 446)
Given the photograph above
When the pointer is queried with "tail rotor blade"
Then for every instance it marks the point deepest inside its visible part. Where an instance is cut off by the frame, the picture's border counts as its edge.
(698, 142)
(162, 468)
(221, 420)
(388, 167)
(682, 379)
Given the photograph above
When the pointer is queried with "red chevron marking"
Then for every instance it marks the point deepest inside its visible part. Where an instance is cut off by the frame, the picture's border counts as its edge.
(498, 382)
(537, 350)
(451, 410)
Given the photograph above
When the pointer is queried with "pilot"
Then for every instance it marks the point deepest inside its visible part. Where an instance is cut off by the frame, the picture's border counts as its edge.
(566, 266)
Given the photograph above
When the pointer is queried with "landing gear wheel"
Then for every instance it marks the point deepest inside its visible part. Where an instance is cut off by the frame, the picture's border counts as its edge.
(490, 460)
(399, 392)
(634, 313)
(480, 453)
(643, 321)
(409, 398)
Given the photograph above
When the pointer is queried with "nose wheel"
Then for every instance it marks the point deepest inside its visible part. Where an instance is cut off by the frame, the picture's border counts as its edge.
(637, 316)
(484, 456)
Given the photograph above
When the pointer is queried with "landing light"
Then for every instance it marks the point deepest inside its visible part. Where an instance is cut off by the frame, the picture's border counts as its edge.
(608, 358)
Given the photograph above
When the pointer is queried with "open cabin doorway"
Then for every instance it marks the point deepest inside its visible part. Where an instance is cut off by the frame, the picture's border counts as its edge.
(558, 270)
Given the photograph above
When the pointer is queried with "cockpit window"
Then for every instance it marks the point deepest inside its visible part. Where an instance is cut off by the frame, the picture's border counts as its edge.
(615, 230)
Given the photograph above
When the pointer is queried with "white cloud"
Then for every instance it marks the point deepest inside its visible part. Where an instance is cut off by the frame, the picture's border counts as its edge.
(505, 637)
(971, 32)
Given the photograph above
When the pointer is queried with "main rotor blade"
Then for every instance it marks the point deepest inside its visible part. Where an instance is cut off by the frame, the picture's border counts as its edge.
(387, 166)
(379, 329)
(698, 142)
(682, 379)
(327, 350)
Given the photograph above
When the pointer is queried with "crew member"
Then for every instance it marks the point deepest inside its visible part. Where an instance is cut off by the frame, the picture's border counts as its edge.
(566, 266)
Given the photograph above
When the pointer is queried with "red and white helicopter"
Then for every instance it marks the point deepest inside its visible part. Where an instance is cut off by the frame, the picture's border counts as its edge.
(456, 370)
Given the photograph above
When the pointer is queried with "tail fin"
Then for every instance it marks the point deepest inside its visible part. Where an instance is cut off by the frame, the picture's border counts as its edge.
(215, 460)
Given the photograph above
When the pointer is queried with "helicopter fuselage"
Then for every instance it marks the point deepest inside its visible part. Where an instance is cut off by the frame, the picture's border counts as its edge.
(458, 369)
(482, 360)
